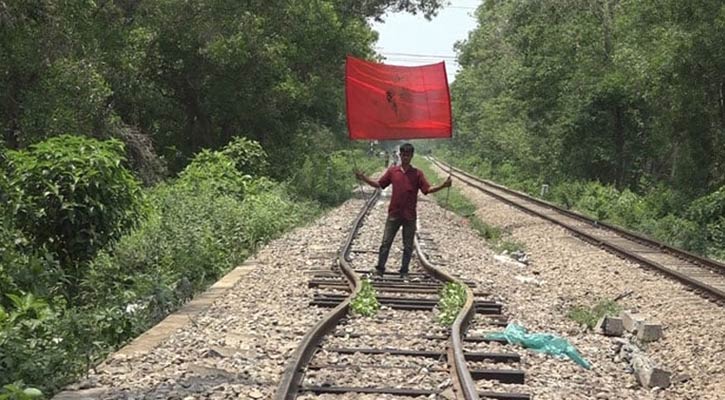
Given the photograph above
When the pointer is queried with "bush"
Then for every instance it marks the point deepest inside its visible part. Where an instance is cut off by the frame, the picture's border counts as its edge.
(212, 170)
(661, 201)
(566, 193)
(680, 232)
(329, 178)
(596, 200)
(629, 209)
(248, 156)
(190, 239)
(716, 238)
(76, 197)
(708, 209)
(30, 342)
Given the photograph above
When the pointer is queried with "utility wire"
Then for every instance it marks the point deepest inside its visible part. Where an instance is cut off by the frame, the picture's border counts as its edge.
(385, 53)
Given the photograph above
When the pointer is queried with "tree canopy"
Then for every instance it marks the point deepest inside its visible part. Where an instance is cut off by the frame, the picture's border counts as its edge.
(186, 75)
(621, 91)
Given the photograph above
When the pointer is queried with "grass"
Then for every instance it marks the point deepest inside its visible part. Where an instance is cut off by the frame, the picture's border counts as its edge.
(453, 200)
(589, 316)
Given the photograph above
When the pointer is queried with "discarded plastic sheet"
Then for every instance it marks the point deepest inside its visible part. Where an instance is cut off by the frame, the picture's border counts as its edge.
(542, 342)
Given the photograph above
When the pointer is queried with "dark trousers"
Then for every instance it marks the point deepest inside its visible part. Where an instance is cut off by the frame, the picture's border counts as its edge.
(391, 228)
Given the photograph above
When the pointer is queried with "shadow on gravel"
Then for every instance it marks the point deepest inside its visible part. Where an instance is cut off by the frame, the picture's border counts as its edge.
(199, 381)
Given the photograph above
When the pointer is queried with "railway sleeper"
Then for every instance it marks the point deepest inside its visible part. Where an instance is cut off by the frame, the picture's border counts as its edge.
(410, 306)
(501, 375)
(340, 286)
(469, 355)
(404, 392)
(504, 396)
(366, 390)
(406, 301)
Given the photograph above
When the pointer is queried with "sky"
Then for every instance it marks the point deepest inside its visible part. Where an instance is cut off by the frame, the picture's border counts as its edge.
(407, 39)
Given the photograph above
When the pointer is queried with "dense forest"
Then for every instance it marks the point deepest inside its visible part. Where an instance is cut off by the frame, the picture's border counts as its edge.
(150, 146)
(617, 105)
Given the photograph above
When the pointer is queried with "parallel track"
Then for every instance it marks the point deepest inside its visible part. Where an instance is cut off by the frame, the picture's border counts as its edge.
(705, 275)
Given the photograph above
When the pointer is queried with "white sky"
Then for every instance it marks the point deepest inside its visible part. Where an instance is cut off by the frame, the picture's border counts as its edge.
(407, 39)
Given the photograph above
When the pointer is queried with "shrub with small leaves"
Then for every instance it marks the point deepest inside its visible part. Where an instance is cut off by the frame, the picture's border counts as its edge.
(248, 156)
(15, 391)
(452, 299)
(366, 302)
(212, 170)
(76, 196)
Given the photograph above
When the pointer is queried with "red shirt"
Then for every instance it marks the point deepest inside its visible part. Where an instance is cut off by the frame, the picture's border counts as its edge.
(405, 190)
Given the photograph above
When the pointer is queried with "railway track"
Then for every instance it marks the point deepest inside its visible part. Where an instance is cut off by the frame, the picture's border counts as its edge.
(403, 342)
(704, 275)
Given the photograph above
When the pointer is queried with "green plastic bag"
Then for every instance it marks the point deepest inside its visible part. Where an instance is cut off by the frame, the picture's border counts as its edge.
(542, 342)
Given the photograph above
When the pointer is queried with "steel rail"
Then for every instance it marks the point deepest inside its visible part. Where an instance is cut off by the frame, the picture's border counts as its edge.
(290, 381)
(712, 265)
(463, 381)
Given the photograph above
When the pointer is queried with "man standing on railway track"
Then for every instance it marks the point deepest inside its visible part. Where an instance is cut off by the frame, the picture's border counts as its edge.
(406, 181)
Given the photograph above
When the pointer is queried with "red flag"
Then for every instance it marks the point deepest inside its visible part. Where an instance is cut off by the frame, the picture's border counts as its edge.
(395, 102)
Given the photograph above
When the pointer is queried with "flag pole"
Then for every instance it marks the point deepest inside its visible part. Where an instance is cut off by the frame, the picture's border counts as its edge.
(354, 165)
(448, 189)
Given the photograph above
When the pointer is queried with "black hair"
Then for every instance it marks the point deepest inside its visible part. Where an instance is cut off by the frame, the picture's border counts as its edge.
(405, 147)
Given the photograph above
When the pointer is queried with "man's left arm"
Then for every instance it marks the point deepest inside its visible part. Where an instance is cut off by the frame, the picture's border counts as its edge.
(426, 188)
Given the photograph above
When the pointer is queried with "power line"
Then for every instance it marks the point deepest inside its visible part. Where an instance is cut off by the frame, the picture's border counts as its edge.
(419, 61)
(392, 53)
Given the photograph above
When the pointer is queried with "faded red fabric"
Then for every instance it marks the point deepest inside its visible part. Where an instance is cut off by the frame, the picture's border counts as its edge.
(405, 190)
(395, 102)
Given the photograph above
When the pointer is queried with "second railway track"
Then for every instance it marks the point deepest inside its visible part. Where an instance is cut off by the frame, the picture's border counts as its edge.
(702, 274)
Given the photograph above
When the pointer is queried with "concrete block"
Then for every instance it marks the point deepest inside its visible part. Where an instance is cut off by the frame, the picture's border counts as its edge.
(610, 326)
(649, 331)
(632, 321)
(654, 377)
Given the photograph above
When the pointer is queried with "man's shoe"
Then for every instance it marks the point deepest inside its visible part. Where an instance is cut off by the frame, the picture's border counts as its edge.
(379, 272)
(404, 276)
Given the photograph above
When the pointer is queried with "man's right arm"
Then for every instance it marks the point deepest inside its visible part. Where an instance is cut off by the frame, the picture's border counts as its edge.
(359, 175)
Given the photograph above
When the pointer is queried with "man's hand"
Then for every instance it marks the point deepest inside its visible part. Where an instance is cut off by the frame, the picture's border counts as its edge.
(448, 182)
(359, 175)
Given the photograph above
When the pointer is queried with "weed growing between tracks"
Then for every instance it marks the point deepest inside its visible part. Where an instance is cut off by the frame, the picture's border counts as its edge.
(453, 297)
(366, 302)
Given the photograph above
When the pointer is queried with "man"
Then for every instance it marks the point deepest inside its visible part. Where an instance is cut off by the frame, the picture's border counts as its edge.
(406, 181)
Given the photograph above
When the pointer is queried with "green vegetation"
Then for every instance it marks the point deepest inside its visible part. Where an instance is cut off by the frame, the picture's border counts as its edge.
(148, 147)
(452, 299)
(589, 316)
(365, 302)
(452, 199)
(88, 259)
(487, 231)
(15, 392)
(616, 105)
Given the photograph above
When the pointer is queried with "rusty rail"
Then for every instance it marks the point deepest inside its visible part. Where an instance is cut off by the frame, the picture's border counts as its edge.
(457, 361)
(702, 262)
(289, 384)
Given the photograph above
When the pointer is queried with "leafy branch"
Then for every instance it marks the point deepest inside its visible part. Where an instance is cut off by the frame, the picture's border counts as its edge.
(365, 302)
(452, 298)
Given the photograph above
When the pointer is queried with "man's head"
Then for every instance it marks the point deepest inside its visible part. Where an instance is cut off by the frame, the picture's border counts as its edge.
(406, 153)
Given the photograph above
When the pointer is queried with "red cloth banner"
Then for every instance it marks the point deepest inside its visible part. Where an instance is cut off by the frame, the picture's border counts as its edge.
(387, 102)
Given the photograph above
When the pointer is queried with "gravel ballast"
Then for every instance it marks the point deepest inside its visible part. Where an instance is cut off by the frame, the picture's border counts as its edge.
(563, 272)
